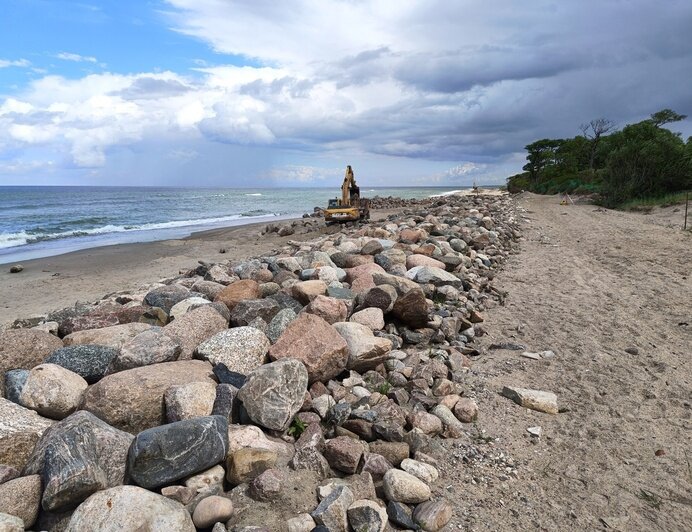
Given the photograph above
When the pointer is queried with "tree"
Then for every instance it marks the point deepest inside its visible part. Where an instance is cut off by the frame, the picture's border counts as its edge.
(666, 116)
(593, 131)
(541, 154)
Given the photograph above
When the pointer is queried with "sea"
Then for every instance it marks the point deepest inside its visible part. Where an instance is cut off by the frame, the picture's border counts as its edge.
(45, 221)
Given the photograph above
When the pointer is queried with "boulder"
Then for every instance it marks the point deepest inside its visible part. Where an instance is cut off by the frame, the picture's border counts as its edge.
(432, 516)
(21, 497)
(329, 309)
(114, 336)
(208, 288)
(306, 291)
(77, 456)
(133, 400)
(274, 393)
(363, 270)
(15, 379)
(402, 285)
(24, 349)
(150, 347)
(365, 350)
(89, 361)
(164, 454)
(412, 309)
(241, 349)
(195, 327)
(11, 523)
(205, 480)
(130, 508)
(466, 410)
(381, 297)
(238, 291)
(432, 275)
(182, 307)
(164, 297)
(279, 323)
(343, 453)
(247, 463)
(219, 274)
(422, 260)
(20, 429)
(268, 485)
(93, 320)
(246, 311)
(186, 401)
(332, 510)
(400, 486)
(420, 470)
(53, 391)
(372, 318)
(314, 342)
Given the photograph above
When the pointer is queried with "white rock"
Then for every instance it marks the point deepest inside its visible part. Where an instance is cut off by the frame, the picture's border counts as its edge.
(420, 470)
(533, 399)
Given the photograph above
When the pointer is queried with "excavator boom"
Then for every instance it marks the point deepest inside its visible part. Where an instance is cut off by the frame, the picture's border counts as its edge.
(351, 207)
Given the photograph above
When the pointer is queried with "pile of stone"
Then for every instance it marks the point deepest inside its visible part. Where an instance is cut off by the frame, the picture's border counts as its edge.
(392, 202)
(302, 390)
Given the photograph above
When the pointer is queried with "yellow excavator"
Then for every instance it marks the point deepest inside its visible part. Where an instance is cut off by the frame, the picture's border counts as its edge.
(351, 206)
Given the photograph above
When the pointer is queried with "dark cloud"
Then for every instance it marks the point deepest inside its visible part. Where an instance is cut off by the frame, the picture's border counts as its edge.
(145, 87)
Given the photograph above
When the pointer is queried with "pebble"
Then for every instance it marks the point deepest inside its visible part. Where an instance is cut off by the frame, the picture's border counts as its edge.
(213, 509)
(400, 486)
(16, 268)
(433, 515)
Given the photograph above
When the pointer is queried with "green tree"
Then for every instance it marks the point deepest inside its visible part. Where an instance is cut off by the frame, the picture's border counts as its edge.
(666, 116)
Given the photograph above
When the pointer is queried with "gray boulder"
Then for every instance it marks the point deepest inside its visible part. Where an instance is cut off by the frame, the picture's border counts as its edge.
(164, 454)
(89, 361)
(15, 379)
(246, 311)
(165, 297)
(274, 393)
(279, 323)
(240, 349)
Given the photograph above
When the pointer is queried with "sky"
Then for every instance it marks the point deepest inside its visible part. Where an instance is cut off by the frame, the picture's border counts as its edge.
(260, 93)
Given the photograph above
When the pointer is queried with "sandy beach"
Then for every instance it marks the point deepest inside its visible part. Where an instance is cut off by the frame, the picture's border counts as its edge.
(53, 283)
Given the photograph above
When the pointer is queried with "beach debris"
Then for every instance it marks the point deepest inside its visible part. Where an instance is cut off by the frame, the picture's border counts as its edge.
(16, 268)
(346, 354)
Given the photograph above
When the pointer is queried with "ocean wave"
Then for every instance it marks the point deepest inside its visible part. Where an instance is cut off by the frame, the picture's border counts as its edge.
(22, 238)
(445, 194)
(254, 194)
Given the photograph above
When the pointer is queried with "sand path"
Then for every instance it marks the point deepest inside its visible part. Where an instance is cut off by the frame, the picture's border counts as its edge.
(588, 284)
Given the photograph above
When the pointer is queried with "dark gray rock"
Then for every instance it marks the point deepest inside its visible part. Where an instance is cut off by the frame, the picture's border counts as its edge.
(165, 297)
(89, 361)
(274, 393)
(226, 403)
(340, 293)
(412, 309)
(286, 301)
(226, 376)
(164, 454)
(367, 516)
(246, 311)
(332, 510)
(279, 323)
(77, 456)
(15, 379)
(400, 515)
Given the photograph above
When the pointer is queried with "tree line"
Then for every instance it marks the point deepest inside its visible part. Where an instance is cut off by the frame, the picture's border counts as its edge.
(640, 161)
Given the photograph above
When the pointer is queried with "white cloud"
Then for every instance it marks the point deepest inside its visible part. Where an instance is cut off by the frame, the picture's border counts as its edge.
(288, 174)
(22, 63)
(67, 56)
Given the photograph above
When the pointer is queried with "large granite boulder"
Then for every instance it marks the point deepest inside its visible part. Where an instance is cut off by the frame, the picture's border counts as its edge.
(164, 454)
(89, 361)
(133, 400)
(279, 323)
(184, 306)
(15, 379)
(239, 291)
(274, 393)
(186, 401)
(114, 336)
(24, 349)
(194, 327)
(241, 349)
(165, 297)
(330, 309)
(53, 391)
(314, 342)
(250, 309)
(432, 275)
(130, 508)
(412, 309)
(365, 350)
(306, 291)
(20, 429)
(150, 347)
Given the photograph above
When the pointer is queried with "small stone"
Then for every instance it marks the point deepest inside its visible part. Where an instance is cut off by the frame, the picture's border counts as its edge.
(453, 428)
(330, 309)
(466, 410)
(164, 454)
(534, 431)
(400, 515)
(186, 401)
(213, 509)
(16, 268)
(420, 470)
(267, 486)
(344, 454)
(245, 312)
(53, 391)
(206, 479)
(246, 464)
(182, 307)
(412, 308)
(433, 515)
(427, 423)
(367, 516)
(332, 510)
(400, 486)
(24, 349)
(182, 494)
(301, 523)
(375, 464)
(533, 399)
(394, 452)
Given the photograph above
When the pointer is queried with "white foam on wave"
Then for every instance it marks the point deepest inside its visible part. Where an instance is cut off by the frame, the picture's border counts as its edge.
(442, 194)
(22, 238)
(254, 194)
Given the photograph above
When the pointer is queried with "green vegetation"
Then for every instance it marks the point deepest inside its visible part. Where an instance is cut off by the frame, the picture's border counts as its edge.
(643, 162)
(384, 388)
(297, 428)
